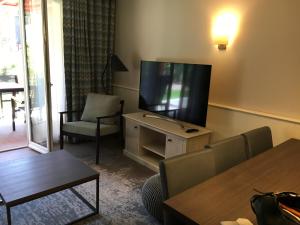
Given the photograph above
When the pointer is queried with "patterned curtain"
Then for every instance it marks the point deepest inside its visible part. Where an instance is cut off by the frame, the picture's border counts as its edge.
(88, 27)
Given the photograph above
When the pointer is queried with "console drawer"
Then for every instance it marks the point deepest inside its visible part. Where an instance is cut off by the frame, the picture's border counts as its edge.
(132, 136)
(174, 146)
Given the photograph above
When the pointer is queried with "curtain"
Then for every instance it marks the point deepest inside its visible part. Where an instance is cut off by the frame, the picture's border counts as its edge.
(56, 59)
(88, 27)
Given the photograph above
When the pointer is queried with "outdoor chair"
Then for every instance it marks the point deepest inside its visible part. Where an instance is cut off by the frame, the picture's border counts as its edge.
(4, 79)
(17, 105)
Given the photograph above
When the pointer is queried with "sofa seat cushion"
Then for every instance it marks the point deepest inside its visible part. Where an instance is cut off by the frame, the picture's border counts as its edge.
(89, 128)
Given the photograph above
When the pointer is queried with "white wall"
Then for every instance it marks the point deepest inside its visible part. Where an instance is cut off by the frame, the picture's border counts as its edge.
(259, 72)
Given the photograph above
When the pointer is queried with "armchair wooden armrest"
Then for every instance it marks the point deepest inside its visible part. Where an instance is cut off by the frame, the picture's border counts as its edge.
(109, 116)
(61, 119)
(106, 117)
(118, 114)
(74, 111)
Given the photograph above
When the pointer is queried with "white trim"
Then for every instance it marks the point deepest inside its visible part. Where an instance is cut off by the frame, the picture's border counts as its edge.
(38, 148)
(232, 108)
(47, 81)
(256, 113)
(125, 87)
(25, 72)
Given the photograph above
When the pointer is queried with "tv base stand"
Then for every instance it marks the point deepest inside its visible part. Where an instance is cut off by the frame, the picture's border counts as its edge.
(164, 118)
(151, 138)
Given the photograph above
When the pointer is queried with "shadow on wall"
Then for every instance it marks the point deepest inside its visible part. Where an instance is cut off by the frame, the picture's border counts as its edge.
(226, 80)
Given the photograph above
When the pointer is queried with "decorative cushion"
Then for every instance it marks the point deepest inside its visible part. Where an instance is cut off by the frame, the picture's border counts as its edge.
(101, 105)
(152, 197)
(89, 128)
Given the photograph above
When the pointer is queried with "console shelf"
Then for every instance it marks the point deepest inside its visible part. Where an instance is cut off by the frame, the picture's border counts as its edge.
(151, 139)
(158, 149)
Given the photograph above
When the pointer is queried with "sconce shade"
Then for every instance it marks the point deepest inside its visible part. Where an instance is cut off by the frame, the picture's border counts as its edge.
(225, 28)
(116, 63)
(222, 42)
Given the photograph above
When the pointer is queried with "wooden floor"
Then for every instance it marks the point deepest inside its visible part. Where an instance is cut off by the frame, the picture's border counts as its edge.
(16, 154)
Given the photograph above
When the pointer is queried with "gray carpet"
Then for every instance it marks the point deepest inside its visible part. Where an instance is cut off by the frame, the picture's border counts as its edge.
(121, 180)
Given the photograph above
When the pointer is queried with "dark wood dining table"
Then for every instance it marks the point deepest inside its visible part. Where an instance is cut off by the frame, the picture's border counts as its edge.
(226, 197)
(10, 87)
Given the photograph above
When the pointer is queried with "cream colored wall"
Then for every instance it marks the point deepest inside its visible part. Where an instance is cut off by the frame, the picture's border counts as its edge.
(226, 123)
(259, 71)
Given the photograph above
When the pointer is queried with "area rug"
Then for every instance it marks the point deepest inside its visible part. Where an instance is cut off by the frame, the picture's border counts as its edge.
(121, 180)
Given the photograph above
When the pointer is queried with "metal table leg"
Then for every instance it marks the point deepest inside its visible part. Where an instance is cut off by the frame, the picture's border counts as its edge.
(8, 215)
(95, 210)
(97, 195)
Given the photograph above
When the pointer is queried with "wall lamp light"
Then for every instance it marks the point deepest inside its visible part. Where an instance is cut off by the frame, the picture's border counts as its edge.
(222, 42)
(225, 26)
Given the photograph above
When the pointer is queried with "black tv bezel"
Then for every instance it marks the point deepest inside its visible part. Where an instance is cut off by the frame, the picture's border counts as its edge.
(163, 116)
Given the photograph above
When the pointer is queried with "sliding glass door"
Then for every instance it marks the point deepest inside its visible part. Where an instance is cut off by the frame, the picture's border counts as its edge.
(38, 78)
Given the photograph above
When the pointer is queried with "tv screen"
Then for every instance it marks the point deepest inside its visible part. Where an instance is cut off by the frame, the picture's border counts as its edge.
(176, 90)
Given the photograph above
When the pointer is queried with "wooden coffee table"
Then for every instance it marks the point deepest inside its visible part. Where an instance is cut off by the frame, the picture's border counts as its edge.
(34, 177)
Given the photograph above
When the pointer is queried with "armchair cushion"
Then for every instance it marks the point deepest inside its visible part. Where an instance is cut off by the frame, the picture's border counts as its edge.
(89, 128)
(100, 105)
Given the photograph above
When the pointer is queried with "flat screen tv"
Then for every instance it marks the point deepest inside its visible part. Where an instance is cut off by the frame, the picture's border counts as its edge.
(175, 90)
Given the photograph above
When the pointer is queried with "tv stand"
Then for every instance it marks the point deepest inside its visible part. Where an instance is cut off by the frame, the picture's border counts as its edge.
(151, 138)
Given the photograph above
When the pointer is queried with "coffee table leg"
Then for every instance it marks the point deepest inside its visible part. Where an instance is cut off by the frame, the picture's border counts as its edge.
(8, 215)
(97, 195)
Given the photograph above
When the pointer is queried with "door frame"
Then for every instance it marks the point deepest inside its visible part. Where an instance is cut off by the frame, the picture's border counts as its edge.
(47, 84)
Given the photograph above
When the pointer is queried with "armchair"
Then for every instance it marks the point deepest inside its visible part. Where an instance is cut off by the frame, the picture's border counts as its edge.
(102, 116)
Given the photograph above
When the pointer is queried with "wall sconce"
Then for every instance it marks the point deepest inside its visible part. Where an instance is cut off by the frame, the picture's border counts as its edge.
(222, 42)
(225, 28)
